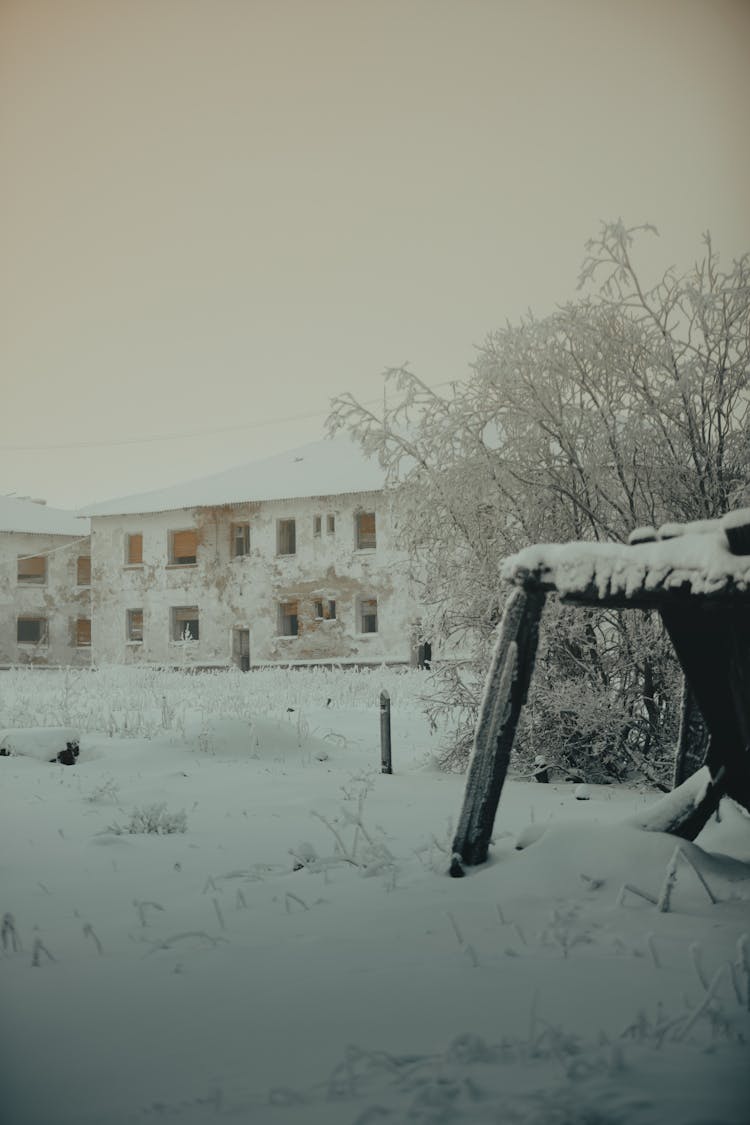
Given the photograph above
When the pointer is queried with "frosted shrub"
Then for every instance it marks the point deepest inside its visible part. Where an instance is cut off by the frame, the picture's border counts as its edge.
(151, 820)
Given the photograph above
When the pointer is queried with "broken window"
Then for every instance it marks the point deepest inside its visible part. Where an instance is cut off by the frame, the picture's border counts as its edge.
(183, 547)
(83, 570)
(288, 619)
(31, 630)
(317, 525)
(330, 524)
(134, 549)
(365, 530)
(134, 624)
(325, 609)
(83, 632)
(32, 570)
(331, 610)
(185, 623)
(319, 610)
(240, 539)
(368, 615)
(286, 537)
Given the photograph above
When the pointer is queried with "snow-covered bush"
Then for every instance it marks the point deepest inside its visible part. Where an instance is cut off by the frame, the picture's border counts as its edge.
(151, 820)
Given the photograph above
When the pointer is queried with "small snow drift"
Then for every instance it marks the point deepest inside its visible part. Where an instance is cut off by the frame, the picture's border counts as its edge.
(253, 738)
(45, 744)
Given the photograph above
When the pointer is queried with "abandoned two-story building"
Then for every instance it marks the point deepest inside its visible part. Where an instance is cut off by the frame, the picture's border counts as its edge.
(45, 585)
(292, 559)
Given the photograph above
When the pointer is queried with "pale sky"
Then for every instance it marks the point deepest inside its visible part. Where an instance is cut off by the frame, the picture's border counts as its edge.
(220, 213)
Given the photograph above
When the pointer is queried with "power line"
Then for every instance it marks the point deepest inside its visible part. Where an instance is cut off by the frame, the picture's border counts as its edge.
(150, 439)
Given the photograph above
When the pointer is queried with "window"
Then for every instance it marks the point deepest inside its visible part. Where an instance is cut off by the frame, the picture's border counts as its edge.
(185, 623)
(83, 570)
(331, 610)
(31, 630)
(330, 524)
(183, 548)
(365, 522)
(83, 632)
(325, 609)
(134, 624)
(368, 615)
(319, 610)
(134, 549)
(32, 570)
(317, 525)
(288, 619)
(240, 539)
(286, 537)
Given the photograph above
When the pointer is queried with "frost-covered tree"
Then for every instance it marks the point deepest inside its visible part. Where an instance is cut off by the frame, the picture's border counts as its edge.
(627, 406)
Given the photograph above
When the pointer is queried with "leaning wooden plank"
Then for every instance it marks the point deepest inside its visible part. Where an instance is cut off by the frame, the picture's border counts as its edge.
(504, 695)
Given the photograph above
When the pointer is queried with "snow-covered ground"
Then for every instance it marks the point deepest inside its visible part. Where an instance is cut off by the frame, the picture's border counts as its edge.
(298, 956)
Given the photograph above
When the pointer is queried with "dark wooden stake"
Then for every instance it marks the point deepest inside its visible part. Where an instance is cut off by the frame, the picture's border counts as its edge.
(504, 695)
(385, 733)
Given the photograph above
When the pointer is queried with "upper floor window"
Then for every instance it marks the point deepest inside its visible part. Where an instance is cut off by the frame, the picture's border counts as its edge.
(31, 630)
(286, 537)
(288, 624)
(330, 523)
(365, 522)
(83, 632)
(83, 570)
(368, 615)
(32, 569)
(183, 547)
(134, 625)
(240, 539)
(185, 623)
(317, 525)
(134, 549)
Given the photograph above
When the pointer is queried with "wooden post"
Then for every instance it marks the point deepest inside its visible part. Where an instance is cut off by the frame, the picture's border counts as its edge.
(504, 695)
(385, 733)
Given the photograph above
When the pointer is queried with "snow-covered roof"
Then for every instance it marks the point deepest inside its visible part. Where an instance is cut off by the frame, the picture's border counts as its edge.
(707, 558)
(32, 517)
(321, 468)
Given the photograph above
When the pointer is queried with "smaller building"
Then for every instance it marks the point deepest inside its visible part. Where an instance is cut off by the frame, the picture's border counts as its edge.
(45, 585)
(292, 559)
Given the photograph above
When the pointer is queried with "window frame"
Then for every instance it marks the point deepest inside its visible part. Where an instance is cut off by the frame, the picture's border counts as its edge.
(236, 527)
(79, 621)
(330, 524)
(175, 635)
(281, 617)
(129, 615)
(183, 560)
(130, 536)
(365, 540)
(317, 526)
(43, 639)
(280, 536)
(362, 615)
(32, 579)
(86, 559)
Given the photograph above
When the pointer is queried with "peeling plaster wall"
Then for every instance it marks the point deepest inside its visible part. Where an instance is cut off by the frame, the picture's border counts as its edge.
(245, 592)
(60, 600)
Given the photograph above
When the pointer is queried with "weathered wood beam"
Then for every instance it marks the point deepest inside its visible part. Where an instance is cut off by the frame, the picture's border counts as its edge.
(505, 693)
(713, 647)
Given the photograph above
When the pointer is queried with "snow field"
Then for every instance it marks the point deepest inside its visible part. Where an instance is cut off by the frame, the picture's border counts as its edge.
(298, 956)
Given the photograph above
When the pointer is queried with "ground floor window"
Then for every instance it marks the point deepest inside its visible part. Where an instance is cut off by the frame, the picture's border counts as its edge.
(31, 630)
(368, 615)
(185, 626)
(134, 625)
(83, 632)
(288, 624)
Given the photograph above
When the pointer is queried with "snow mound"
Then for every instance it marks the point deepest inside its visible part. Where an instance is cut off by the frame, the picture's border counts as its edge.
(41, 743)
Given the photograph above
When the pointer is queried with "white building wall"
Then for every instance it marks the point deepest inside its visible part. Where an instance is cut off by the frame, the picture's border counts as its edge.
(244, 592)
(59, 599)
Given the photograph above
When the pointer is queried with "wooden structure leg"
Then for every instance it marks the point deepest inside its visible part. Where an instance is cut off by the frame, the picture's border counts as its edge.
(504, 695)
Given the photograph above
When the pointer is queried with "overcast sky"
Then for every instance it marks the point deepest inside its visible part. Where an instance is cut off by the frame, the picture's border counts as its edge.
(219, 213)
